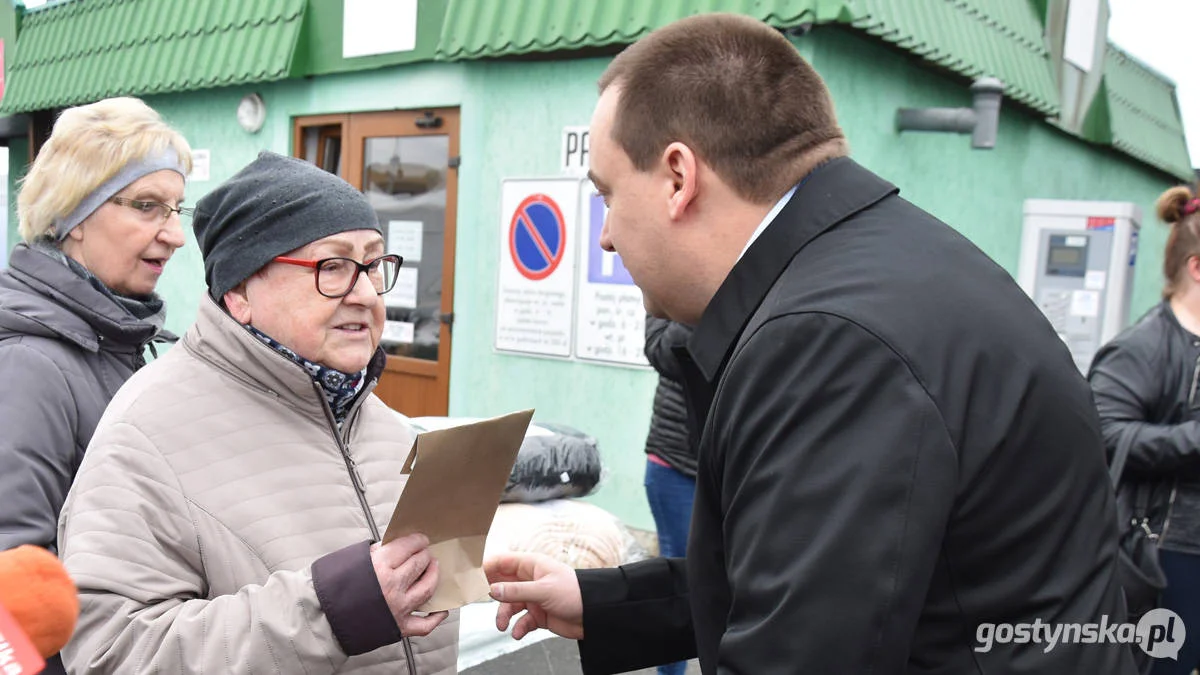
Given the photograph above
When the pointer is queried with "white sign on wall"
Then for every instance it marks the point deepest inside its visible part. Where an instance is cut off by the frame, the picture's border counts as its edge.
(611, 322)
(574, 151)
(536, 287)
(201, 160)
(378, 27)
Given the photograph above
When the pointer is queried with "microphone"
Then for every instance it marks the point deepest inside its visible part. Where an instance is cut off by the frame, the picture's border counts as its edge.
(17, 654)
(37, 592)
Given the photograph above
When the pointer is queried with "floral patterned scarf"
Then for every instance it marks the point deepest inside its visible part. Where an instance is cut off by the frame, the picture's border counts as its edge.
(340, 388)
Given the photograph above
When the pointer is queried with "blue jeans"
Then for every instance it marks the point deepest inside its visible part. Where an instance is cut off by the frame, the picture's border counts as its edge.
(670, 494)
(1182, 596)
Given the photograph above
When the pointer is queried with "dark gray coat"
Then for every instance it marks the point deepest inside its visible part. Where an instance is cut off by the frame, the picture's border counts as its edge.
(668, 437)
(65, 349)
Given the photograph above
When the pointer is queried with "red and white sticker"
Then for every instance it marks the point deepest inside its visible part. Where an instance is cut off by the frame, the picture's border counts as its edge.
(17, 654)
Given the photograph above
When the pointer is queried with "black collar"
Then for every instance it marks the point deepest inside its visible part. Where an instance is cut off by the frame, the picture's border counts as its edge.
(835, 191)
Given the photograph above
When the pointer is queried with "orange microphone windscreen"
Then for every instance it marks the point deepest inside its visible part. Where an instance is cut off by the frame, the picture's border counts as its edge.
(36, 590)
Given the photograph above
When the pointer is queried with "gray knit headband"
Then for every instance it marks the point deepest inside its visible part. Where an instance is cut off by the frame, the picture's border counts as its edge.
(166, 160)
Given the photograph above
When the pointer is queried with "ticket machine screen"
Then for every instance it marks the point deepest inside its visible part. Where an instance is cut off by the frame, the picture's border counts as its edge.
(1067, 256)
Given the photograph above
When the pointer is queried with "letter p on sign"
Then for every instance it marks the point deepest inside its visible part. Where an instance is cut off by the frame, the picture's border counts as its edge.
(575, 151)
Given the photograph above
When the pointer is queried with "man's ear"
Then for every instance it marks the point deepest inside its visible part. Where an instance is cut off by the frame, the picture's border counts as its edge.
(681, 165)
(237, 302)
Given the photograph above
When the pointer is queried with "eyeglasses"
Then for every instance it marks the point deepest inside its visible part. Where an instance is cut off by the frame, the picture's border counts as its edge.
(336, 277)
(148, 208)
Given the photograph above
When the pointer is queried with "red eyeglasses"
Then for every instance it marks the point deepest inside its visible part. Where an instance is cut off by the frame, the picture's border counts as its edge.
(335, 277)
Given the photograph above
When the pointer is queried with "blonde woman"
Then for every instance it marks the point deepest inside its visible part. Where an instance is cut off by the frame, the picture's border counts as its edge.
(99, 217)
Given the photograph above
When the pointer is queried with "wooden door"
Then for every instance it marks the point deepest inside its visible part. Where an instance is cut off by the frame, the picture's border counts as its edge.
(403, 161)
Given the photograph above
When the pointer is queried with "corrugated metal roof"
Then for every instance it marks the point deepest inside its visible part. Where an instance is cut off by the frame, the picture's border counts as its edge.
(1143, 114)
(81, 51)
(1000, 38)
(1137, 111)
(477, 29)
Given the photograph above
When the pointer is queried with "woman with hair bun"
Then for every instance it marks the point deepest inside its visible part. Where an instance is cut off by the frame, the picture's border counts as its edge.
(1145, 386)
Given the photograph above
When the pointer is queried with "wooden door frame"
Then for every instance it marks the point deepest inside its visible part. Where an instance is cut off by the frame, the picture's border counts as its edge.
(355, 127)
(404, 123)
(299, 124)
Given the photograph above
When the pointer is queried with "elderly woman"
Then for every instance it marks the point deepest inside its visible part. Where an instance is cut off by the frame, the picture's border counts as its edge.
(99, 215)
(225, 515)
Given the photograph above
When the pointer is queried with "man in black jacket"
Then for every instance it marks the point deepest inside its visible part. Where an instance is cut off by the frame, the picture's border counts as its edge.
(899, 466)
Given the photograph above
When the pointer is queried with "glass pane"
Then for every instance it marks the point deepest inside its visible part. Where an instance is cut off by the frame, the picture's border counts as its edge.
(323, 147)
(405, 179)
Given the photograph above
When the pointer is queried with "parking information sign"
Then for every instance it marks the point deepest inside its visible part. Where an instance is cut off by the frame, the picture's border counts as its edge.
(611, 322)
(535, 295)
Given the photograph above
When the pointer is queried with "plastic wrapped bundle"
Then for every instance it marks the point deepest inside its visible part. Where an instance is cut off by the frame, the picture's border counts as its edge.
(579, 534)
(555, 461)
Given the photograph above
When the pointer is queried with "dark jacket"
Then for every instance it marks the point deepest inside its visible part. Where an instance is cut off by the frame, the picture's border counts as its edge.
(897, 448)
(1145, 382)
(668, 437)
(65, 349)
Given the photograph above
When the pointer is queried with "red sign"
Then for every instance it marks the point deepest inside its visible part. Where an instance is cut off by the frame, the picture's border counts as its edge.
(17, 654)
(1100, 222)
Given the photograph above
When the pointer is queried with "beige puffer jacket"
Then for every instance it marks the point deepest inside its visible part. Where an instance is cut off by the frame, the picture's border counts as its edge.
(214, 481)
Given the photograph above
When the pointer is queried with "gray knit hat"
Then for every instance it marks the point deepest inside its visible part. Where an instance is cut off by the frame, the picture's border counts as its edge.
(274, 205)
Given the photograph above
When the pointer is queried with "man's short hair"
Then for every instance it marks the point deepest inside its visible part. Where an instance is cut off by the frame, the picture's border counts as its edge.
(736, 92)
(89, 145)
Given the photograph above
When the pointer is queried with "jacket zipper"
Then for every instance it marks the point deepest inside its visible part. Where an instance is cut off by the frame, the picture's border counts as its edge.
(359, 489)
(1175, 482)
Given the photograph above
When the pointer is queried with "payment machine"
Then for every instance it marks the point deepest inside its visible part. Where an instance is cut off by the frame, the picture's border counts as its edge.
(1077, 264)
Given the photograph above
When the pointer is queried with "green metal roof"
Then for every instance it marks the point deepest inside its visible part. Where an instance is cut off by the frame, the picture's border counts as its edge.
(85, 50)
(74, 51)
(1136, 111)
(477, 29)
(1000, 38)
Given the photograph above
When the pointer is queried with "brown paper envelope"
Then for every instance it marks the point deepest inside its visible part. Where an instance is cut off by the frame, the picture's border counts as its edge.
(451, 496)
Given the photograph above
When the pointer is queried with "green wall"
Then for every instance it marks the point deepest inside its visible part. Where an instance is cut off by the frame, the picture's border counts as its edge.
(319, 50)
(509, 132)
(979, 192)
(512, 116)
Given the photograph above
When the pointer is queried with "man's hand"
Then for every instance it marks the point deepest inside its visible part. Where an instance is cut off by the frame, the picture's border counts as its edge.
(408, 575)
(539, 585)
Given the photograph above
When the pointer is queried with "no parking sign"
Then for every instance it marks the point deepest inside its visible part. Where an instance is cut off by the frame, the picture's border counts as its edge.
(537, 237)
(535, 300)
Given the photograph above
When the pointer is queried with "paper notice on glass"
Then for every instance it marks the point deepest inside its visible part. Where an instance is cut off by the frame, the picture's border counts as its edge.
(398, 331)
(405, 292)
(404, 238)
(1085, 304)
(456, 478)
